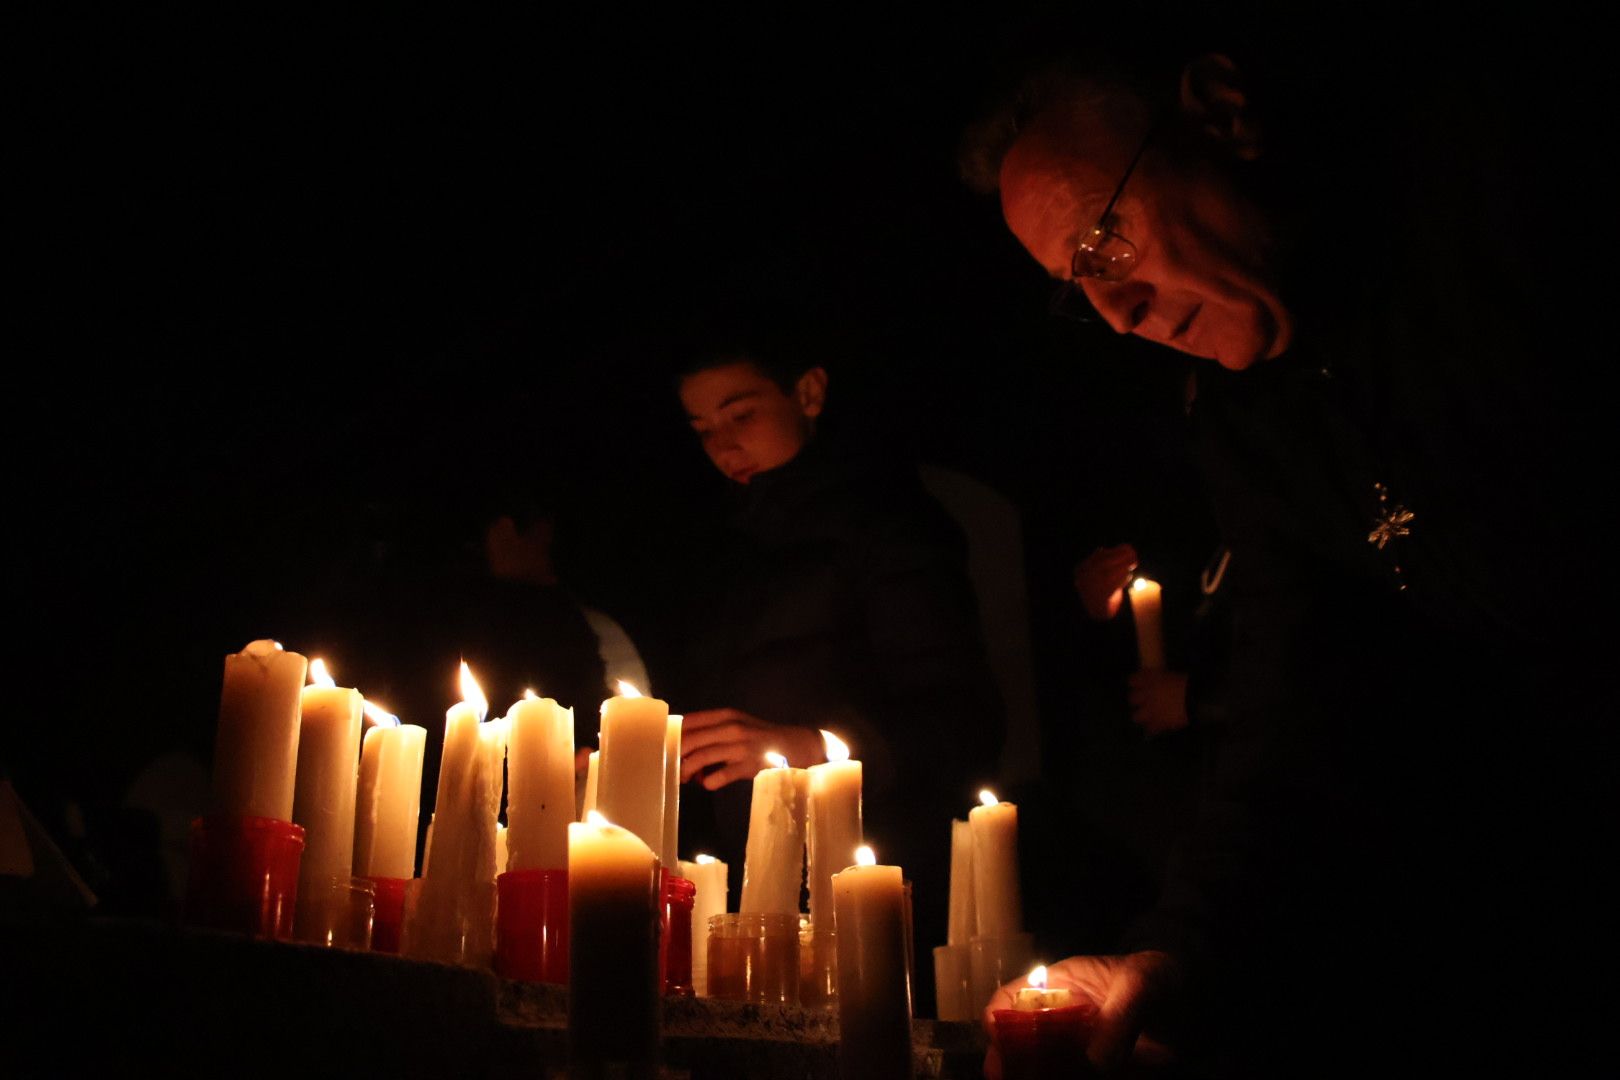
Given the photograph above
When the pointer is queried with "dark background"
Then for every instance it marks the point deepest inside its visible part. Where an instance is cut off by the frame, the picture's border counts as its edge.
(298, 273)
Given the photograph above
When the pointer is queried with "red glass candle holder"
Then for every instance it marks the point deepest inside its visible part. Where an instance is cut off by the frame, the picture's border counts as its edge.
(531, 925)
(389, 917)
(244, 875)
(1044, 1044)
(677, 896)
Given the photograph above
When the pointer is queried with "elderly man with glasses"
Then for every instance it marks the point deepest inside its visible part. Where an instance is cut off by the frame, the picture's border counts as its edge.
(1400, 835)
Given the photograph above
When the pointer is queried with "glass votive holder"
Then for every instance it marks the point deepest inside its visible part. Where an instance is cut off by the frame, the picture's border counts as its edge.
(754, 957)
(337, 913)
(531, 926)
(1044, 1044)
(388, 916)
(678, 895)
(818, 966)
(953, 983)
(244, 875)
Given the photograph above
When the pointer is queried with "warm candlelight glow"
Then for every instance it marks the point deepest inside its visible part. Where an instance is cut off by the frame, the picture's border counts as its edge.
(1138, 584)
(627, 690)
(471, 694)
(594, 818)
(988, 797)
(529, 694)
(1037, 978)
(864, 856)
(318, 675)
(380, 716)
(777, 761)
(836, 748)
(705, 860)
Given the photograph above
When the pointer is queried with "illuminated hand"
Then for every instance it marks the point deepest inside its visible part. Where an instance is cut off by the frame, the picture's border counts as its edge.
(1131, 992)
(732, 745)
(1158, 700)
(1100, 580)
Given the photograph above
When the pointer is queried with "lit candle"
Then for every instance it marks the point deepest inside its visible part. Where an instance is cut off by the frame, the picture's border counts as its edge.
(388, 809)
(709, 875)
(1045, 1033)
(323, 803)
(835, 822)
(964, 914)
(1145, 612)
(593, 769)
(540, 782)
(773, 873)
(630, 787)
(874, 985)
(454, 918)
(612, 949)
(669, 853)
(256, 751)
(995, 867)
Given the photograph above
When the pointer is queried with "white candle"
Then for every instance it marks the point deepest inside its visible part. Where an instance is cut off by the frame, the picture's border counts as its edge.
(540, 781)
(502, 855)
(1036, 996)
(709, 875)
(995, 867)
(835, 822)
(613, 946)
(874, 985)
(773, 874)
(630, 787)
(323, 802)
(669, 854)
(1145, 612)
(256, 752)
(593, 770)
(388, 808)
(454, 917)
(964, 916)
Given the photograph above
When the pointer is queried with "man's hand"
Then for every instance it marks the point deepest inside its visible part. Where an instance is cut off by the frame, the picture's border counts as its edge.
(1131, 993)
(1100, 580)
(732, 745)
(1158, 700)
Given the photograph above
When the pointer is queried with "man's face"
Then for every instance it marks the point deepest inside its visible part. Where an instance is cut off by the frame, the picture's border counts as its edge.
(745, 422)
(1200, 284)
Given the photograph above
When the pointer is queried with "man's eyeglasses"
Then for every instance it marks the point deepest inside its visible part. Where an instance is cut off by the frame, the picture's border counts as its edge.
(1101, 253)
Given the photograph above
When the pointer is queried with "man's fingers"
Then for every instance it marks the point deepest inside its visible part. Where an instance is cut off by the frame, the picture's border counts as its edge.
(707, 718)
(1119, 1020)
(741, 769)
(723, 753)
(710, 736)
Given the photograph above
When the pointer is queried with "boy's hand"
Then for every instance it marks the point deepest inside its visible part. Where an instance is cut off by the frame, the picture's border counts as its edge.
(732, 745)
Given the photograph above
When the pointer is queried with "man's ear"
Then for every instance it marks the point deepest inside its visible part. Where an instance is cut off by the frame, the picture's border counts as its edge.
(1215, 98)
(811, 392)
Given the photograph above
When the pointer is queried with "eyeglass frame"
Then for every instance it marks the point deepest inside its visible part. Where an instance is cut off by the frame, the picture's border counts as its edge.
(1101, 229)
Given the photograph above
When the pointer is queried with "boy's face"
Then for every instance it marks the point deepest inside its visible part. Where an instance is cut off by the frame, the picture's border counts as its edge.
(745, 422)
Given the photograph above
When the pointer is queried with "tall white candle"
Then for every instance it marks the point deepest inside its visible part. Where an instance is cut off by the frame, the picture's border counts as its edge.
(540, 780)
(323, 801)
(1146, 613)
(388, 808)
(669, 854)
(612, 947)
(835, 822)
(773, 874)
(964, 917)
(256, 752)
(630, 786)
(874, 985)
(454, 917)
(995, 867)
(709, 875)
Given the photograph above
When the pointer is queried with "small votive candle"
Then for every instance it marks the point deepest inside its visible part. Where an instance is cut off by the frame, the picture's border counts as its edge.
(1045, 1033)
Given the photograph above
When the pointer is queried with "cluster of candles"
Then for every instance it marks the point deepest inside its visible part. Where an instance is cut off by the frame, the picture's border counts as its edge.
(313, 836)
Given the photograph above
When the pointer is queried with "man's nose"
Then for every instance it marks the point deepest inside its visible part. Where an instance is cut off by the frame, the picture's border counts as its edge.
(1122, 304)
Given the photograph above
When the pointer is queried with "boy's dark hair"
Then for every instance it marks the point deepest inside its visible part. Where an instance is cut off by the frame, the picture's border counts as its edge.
(782, 347)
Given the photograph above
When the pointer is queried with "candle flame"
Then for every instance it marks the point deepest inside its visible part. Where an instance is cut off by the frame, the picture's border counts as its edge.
(777, 760)
(379, 715)
(837, 749)
(319, 676)
(1037, 978)
(1138, 584)
(705, 860)
(628, 690)
(471, 694)
(988, 797)
(865, 856)
(529, 694)
(595, 818)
